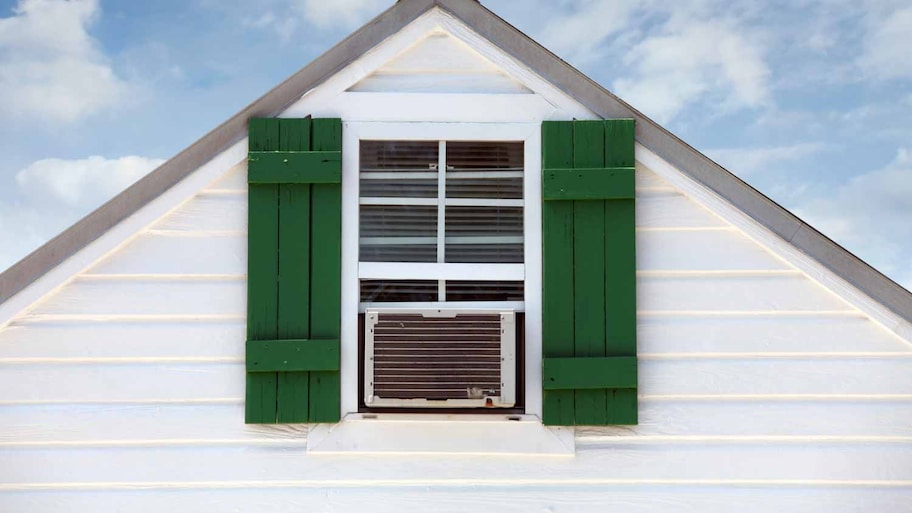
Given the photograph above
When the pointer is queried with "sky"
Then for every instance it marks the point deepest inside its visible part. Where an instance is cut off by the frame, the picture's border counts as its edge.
(809, 101)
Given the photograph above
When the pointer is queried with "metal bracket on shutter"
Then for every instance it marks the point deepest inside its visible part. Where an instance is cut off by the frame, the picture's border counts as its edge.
(412, 358)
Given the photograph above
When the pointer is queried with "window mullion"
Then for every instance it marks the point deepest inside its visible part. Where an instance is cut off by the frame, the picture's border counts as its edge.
(441, 215)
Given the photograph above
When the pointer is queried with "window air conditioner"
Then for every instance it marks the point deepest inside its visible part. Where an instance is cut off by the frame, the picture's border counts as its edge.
(439, 358)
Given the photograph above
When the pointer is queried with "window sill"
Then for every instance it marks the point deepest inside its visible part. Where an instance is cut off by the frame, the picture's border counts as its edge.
(398, 434)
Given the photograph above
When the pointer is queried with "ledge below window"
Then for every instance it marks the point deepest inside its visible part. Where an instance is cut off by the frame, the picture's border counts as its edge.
(441, 434)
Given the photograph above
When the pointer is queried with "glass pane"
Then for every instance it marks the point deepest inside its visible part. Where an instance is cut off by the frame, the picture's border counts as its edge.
(397, 233)
(484, 291)
(484, 170)
(398, 291)
(484, 234)
(399, 169)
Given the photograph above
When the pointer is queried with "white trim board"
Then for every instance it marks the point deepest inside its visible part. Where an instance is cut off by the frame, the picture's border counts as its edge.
(776, 245)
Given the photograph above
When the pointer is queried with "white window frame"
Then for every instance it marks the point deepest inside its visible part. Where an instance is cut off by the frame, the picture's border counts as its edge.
(352, 272)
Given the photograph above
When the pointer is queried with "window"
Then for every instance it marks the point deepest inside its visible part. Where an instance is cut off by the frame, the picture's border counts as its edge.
(437, 215)
(437, 203)
(440, 203)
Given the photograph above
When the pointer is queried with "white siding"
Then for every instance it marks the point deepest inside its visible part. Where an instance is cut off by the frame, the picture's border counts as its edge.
(758, 388)
(760, 391)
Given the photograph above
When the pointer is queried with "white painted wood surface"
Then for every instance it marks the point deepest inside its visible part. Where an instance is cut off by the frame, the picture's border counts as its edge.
(603, 463)
(761, 390)
(440, 63)
(550, 499)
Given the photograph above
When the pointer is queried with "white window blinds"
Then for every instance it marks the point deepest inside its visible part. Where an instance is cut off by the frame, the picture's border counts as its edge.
(441, 202)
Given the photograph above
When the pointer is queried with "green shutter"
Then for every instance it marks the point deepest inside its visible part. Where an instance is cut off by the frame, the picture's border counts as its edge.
(294, 277)
(589, 274)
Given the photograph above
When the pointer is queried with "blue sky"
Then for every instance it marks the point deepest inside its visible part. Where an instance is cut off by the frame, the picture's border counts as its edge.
(810, 101)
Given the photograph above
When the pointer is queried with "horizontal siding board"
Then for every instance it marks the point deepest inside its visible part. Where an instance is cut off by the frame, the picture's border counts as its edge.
(219, 424)
(659, 210)
(655, 293)
(762, 418)
(645, 178)
(417, 82)
(732, 294)
(182, 254)
(128, 424)
(702, 251)
(510, 499)
(69, 340)
(776, 376)
(226, 253)
(599, 463)
(226, 296)
(656, 334)
(149, 297)
(236, 179)
(93, 382)
(767, 334)
(208, 213)
(97, 382)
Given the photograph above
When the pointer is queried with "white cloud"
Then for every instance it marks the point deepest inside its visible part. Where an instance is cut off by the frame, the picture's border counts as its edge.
(886, 47)
(81, 183)
(55, 193)
(340, 13)
(870, 216)
(579, 36)
(691, 61)
(50, 67)
(283, 26)
(746, 161)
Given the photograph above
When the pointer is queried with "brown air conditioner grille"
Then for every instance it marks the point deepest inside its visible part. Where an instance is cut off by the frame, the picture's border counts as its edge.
(439, 358)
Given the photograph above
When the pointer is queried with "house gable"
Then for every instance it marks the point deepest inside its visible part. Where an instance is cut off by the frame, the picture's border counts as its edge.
(766, 378)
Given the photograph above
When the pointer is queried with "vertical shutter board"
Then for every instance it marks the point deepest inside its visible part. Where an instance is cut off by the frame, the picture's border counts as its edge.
(294, 262)
(292, 397)
(620, 270)
(326, 272)
(589, 270)
(619, 143)
(262, 289)
(294, 134)
(293, 272)
(620, 288)
(294, 295)
(263, 135)
(260, 399)
(557, 279)
(620, 277)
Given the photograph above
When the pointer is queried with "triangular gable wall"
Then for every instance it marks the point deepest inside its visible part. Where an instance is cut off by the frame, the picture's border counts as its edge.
(440, 63)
